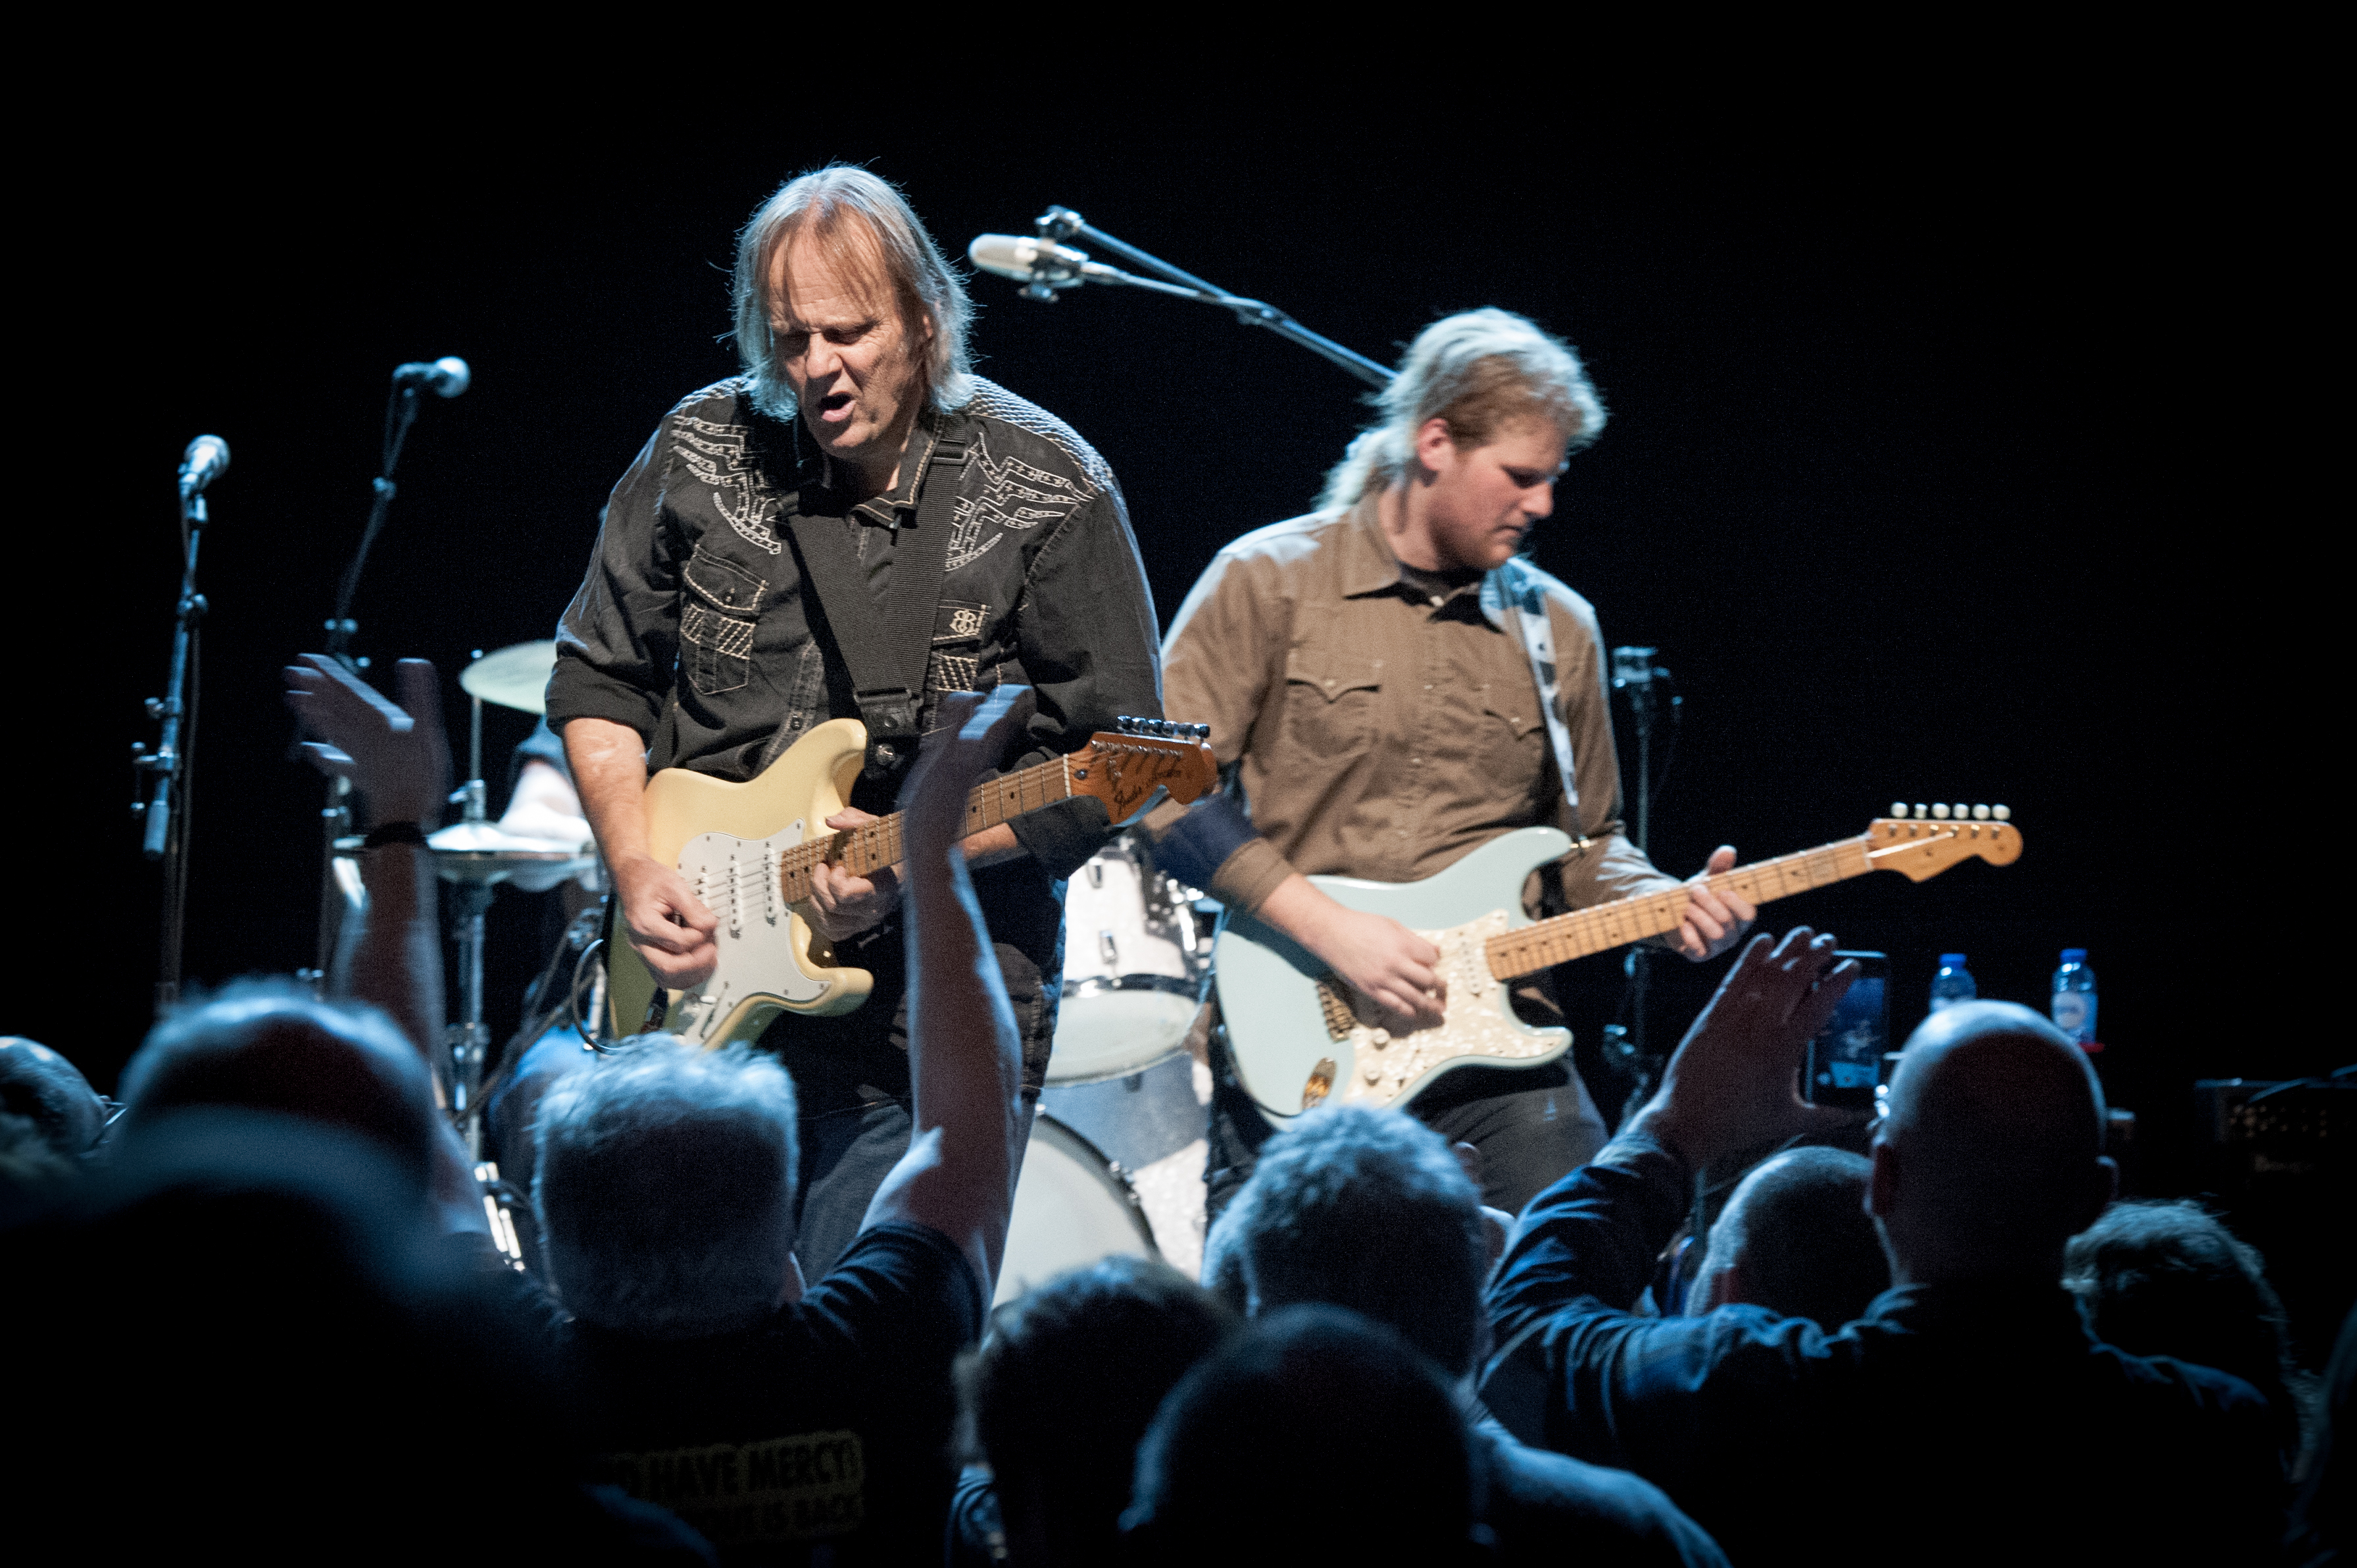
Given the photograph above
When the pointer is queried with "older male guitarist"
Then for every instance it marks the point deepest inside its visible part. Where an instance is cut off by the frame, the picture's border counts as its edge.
(1362, 674)
(851, 528)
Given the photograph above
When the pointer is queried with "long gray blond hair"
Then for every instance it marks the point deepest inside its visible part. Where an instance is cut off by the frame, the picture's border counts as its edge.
(1482, 370)
(863, 221)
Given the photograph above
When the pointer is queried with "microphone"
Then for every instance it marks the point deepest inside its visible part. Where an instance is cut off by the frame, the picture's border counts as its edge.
(1038, 262)
(206, 459)
(446, 377)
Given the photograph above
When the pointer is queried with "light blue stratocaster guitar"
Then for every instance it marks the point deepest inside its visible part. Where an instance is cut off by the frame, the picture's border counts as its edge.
(1298, 1035)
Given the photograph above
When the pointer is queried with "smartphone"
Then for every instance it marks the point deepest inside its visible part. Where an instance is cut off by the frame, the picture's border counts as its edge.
(1845, 1059)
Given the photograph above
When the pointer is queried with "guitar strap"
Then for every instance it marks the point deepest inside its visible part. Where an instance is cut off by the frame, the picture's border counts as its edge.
(888, 647)
(1514, 599)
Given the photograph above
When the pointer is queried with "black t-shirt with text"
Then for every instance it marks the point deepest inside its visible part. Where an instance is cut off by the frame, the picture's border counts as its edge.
(821, 1434)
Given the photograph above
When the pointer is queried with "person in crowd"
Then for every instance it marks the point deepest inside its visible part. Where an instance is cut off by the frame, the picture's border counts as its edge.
(1390, 687)
(1373, 1210)
(855, 526)
(1315, 1436)
(50, 1121)
(1969, 1415)
(1795, 1238)
(254, 1290)
(777, 1415)
(2170, 1279)
(1054, 1400)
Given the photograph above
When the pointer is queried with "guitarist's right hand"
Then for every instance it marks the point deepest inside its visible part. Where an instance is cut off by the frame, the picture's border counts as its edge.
(670, 926)
(1376, 956)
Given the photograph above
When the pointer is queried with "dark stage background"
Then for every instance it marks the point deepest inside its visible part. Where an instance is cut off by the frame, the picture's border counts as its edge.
(1895, 446)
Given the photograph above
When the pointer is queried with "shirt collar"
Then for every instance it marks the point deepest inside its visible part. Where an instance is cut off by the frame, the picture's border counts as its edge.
(1370, 565)
(813, 468)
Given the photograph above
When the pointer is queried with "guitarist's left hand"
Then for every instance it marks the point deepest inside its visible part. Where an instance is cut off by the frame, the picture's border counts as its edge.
(1716, 918)
(849, 905)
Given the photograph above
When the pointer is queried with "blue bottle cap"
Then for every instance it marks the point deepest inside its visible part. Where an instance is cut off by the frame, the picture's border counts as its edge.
(1951, 960)
(2074, 955)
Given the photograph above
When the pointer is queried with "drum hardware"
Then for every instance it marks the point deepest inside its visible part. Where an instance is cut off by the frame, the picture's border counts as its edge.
(1134, 967)
(500, 1201)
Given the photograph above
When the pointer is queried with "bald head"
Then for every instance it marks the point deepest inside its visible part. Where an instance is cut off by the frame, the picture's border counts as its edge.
(1992, 1155)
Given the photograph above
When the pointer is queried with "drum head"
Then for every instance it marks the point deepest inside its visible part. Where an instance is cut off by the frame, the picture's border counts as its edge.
(1110, 1033)
(1071, 1207)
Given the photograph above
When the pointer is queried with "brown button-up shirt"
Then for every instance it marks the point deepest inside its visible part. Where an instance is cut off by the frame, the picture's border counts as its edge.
(1384, 733)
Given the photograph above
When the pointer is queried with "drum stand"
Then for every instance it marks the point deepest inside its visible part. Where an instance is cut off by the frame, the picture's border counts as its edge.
(468, 1039)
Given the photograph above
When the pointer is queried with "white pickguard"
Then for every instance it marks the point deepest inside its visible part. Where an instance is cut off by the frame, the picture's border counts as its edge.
(737, 880)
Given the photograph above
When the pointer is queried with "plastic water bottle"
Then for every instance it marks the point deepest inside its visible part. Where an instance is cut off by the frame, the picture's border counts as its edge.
(1953, 984)
(2074, 999)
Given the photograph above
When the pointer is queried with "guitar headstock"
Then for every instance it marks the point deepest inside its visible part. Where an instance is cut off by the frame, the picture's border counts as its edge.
(1927, 840)
(1124, 768)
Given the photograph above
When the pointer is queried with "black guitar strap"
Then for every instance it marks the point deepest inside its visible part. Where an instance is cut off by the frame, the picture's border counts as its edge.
(888, 647)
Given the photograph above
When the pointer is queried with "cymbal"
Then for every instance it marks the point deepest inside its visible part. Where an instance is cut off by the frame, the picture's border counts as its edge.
(515, 677)
(485, 853)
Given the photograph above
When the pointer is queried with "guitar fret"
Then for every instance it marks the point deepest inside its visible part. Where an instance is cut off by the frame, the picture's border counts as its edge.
(1625, 920)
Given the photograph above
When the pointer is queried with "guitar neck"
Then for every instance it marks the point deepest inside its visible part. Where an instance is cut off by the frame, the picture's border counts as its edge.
(1625, 920)
(869, 848)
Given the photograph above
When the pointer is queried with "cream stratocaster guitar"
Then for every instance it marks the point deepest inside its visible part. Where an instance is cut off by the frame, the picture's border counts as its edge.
(1297, 1036)
(747, 850)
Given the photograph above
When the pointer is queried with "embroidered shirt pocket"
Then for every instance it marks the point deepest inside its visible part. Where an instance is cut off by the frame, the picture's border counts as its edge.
(1513, 744)
(717, 623)
(957, 661)
(1330, 702)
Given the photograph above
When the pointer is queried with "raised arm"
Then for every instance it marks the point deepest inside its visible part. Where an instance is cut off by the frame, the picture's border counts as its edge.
(391, 955)
(965, 1057)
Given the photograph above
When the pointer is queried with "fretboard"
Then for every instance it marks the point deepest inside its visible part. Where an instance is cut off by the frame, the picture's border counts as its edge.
(1626, 921)
(865, 850)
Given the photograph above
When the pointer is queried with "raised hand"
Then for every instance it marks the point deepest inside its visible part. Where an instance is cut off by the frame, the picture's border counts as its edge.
(397, 758)
(1733, 1084)
(975, 728)
(1716, 918)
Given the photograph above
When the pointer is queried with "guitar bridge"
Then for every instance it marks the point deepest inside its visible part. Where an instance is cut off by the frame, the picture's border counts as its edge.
(1339, 1021)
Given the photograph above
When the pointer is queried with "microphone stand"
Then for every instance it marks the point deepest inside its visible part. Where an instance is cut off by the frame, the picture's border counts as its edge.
(335, 818)
(1635, 674)
(1060, 223)
(165, 814)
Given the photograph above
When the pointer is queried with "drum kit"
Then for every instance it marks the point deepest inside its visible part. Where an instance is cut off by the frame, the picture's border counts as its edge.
(1137, 949)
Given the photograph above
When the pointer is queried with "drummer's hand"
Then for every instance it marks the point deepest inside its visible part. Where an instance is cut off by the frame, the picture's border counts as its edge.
(670, 926)
(395, 757)
(848, 904)
(1716, 918)
(1376, 956)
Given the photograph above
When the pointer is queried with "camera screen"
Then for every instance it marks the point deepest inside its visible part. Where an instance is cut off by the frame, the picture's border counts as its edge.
(1845, 1058)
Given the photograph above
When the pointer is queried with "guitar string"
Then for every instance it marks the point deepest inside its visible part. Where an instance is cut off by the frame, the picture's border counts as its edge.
(878, 844)
(1537, 946)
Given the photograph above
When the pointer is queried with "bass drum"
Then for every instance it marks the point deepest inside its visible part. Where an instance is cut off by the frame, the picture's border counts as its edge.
(1072, 1207)
(1135, 957)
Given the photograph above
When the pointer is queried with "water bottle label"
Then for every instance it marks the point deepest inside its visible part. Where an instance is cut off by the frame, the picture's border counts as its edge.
(2074, 1014)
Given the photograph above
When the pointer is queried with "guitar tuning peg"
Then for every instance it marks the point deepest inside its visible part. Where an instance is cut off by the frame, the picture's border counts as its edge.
(2002, 814)
(1164, 728)
(1960, 810)
(1122, 723)
(1202, 732)
(1898, 808)
(1980, 813)
(1940, 812)
(1921, 810)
